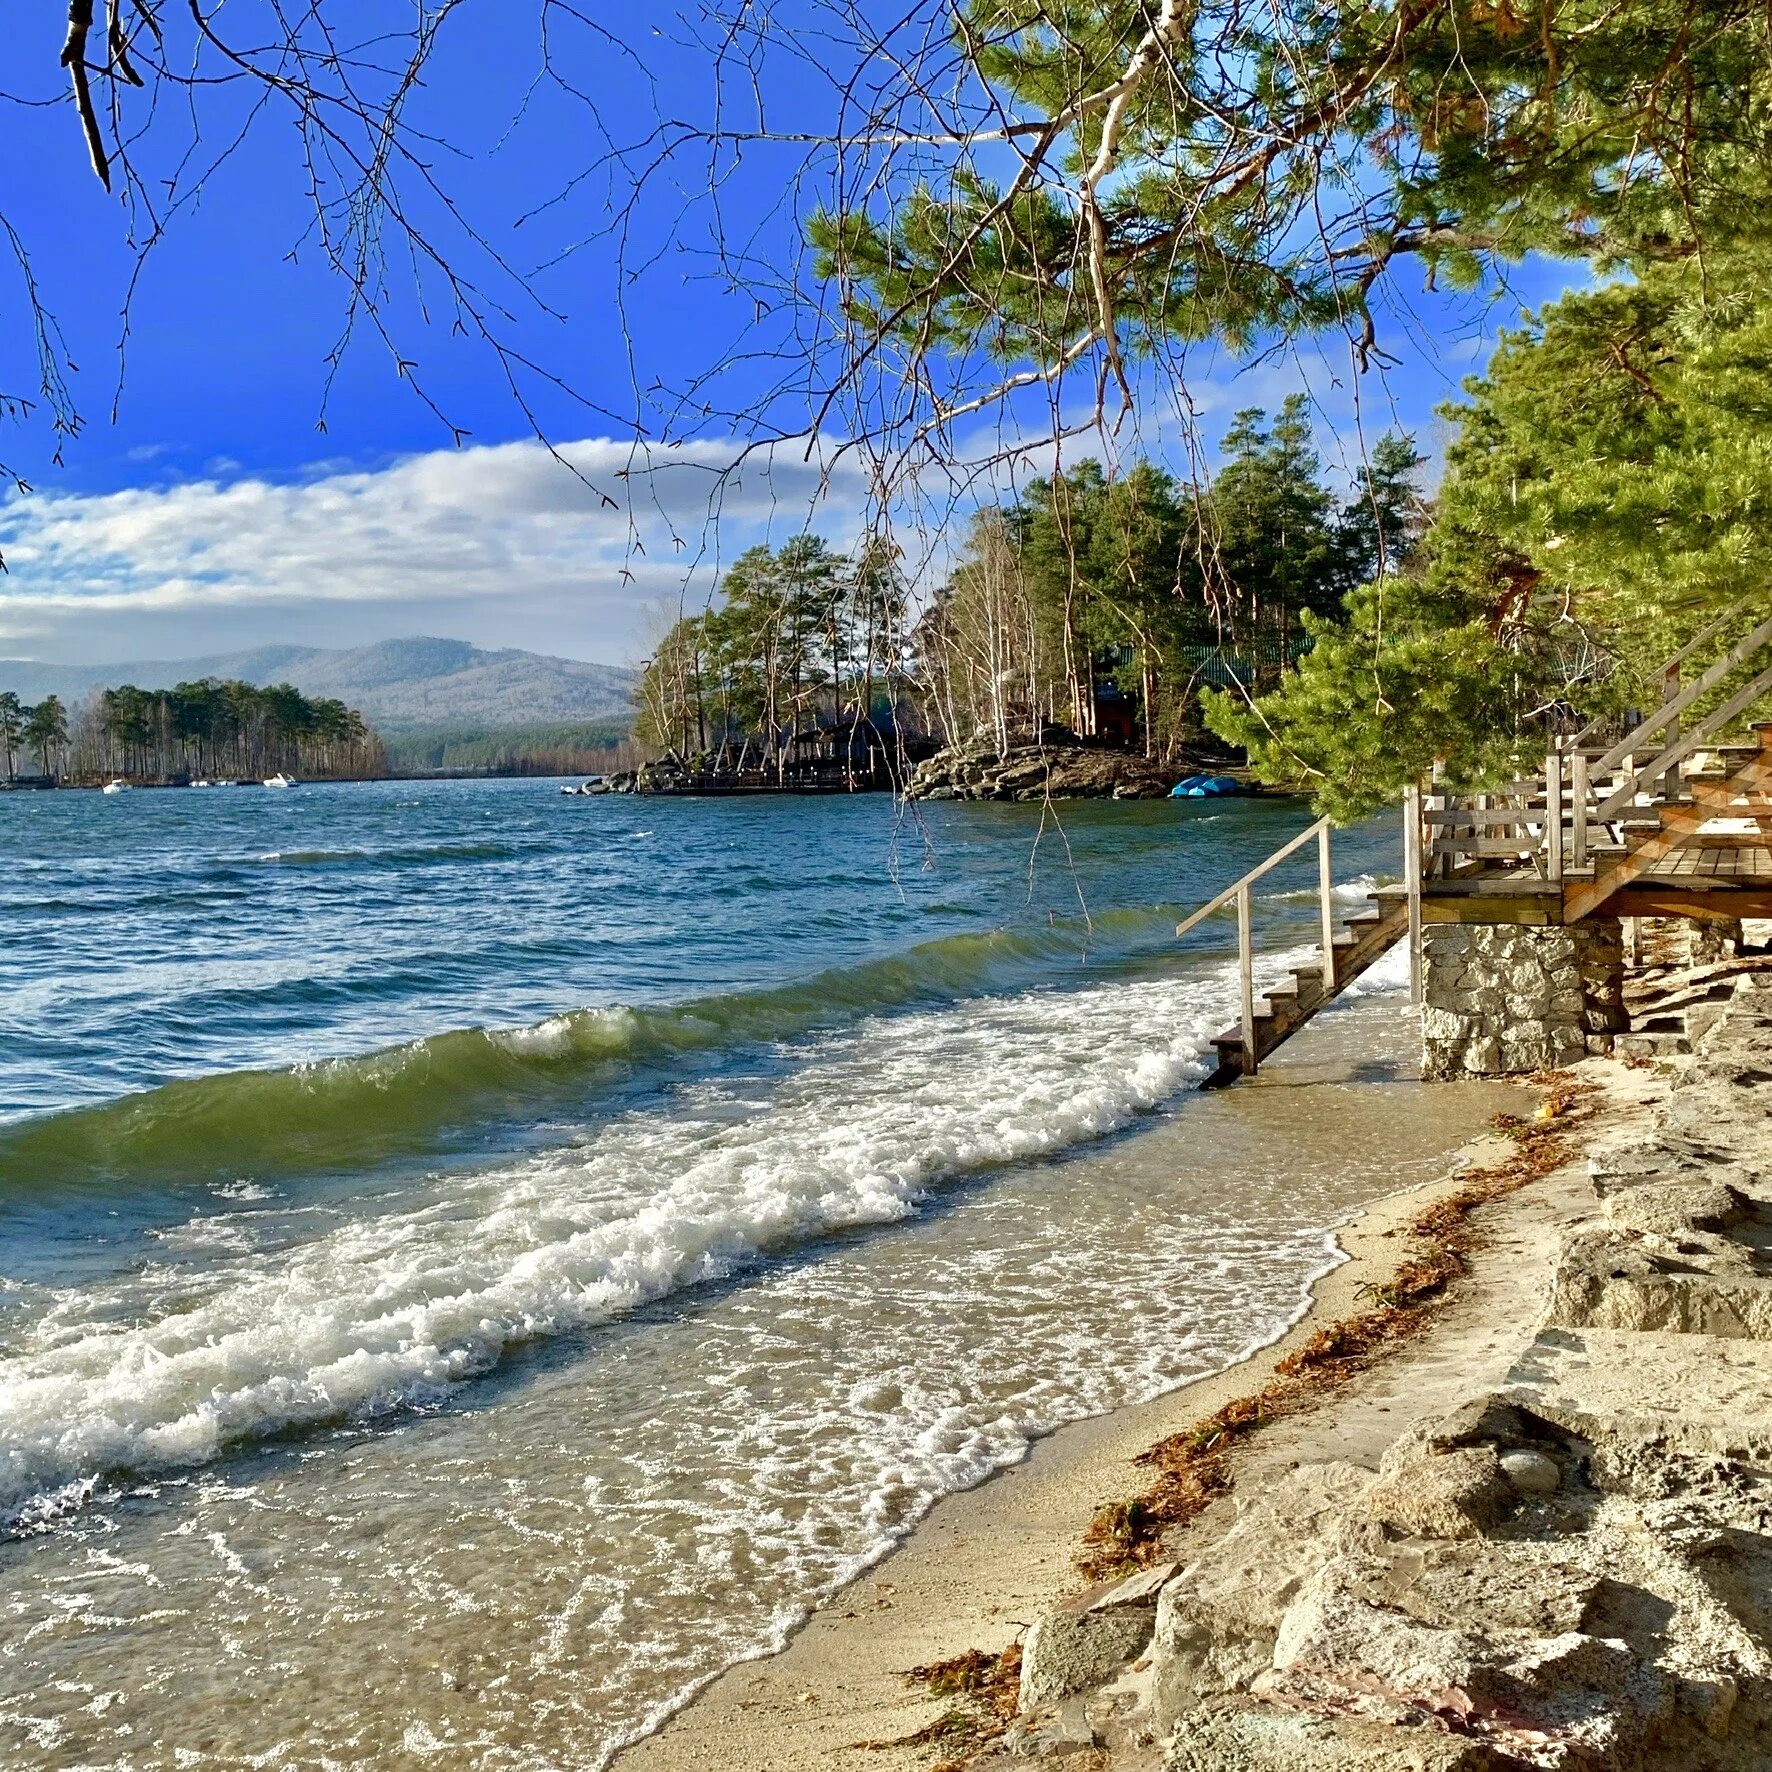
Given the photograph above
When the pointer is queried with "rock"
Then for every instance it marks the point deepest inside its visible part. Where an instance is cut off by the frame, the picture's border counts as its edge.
(1051, 1734)
(1531, 1473)
(1460, 1493)
(1085, 1642)
(1710, 1703)
(1699, 1284)
(1217, 1620)
(1677, 1208)
(1334, 1635)
(1142, 1589)
(1598, 1697)
(1281, 1741)
(1061, 768)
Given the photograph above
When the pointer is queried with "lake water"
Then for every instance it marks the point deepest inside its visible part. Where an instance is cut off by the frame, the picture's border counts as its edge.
(475, 1263)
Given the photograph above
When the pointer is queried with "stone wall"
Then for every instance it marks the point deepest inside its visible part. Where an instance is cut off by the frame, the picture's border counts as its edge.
(1498, 998)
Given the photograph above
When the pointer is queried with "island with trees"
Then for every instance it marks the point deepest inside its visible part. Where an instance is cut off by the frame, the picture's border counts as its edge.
(192, 732)
(1068, 650)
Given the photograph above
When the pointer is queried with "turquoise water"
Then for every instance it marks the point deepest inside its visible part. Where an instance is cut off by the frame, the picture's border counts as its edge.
(564, 1238)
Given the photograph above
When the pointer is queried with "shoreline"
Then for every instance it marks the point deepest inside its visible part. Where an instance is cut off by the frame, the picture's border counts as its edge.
(984, 1563)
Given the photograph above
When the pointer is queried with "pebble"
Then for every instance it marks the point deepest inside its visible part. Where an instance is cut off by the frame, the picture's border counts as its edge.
(1531, 1472)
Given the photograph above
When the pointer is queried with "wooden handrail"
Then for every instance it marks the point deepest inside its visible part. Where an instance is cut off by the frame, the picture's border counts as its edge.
(1583, 787)
(1239, 892)
(1254, 874)
(1738, 654)
(1688, 741)
(1670, 667)
(1412, 872)
(1704, 636)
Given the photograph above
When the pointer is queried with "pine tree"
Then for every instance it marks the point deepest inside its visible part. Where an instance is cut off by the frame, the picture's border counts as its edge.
(1385, 515)
(1604, 497)
(46, 731)
(1273, 524)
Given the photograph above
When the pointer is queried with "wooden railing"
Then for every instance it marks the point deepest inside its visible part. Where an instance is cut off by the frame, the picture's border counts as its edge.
(1588, 791)
(1242, 891)
(1242, 894)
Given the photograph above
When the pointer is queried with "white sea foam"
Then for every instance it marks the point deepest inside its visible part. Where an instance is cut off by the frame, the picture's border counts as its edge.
(242, 1190)
(384, 1311)
(1355, 891)
(550, 1037)
(1384, 977)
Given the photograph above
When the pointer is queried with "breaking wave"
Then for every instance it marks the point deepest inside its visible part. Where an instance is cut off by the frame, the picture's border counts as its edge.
(346, 1113)
(388, 1311)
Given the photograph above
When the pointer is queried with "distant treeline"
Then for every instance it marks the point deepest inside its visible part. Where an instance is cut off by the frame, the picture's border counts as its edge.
(566, 749)
(804, 641)
(192, 730)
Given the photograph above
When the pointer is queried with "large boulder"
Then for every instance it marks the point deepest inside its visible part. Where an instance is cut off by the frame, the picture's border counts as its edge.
(1085, 1642)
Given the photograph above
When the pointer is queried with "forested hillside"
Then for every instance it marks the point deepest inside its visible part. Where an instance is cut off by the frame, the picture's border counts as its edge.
(397, 684)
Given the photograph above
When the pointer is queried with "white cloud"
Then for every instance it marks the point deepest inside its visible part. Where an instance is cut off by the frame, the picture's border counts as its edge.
(493, 539)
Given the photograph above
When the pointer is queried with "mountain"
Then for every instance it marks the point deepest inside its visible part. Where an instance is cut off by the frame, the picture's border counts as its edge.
(397, 685)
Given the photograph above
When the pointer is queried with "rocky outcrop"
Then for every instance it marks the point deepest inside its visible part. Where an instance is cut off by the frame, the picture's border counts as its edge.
(1573, 1571)
(1037, 772)
(1503, 999)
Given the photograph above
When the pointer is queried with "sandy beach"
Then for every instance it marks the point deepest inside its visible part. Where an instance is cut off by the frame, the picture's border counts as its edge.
(1509, 1516)
(985, 1563)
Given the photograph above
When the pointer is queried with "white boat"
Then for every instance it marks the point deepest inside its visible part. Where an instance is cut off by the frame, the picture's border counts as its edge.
(279, 780)
(116, 787)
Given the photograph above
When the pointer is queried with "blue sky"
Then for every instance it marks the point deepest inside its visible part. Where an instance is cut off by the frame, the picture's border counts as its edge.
(210, 512)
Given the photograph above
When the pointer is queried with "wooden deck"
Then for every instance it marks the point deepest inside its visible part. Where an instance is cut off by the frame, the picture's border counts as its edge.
(1661, 820)
(1720, 869)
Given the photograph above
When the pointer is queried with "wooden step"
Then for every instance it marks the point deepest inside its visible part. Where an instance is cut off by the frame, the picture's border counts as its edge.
(1283, 1010)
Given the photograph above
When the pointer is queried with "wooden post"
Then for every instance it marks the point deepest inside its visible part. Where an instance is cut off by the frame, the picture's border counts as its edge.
(1633, 941)
(1246, 968)
(1412, 880)
(1436, 865)
(1670, 687)
(1326, 905)
(1578, 843)
(1553, 817)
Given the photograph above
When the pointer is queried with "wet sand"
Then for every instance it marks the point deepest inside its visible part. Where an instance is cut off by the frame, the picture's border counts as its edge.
(985, 1563)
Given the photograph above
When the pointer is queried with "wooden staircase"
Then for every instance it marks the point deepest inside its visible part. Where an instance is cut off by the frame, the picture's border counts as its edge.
(1642, 843)
(1347, 948)
(1619, 830)
(1362, 939)
(1625, 829)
